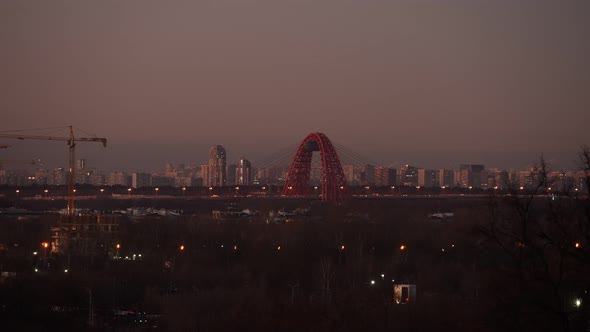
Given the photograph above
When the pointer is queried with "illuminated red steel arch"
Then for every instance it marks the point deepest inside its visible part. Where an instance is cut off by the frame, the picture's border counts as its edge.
(333, 180)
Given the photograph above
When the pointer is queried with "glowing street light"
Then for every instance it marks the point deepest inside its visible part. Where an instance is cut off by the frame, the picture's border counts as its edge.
(343, 247)
(129, 191)
(183, 191)
(577, 245)
(45, 245)
(402, 247)
(156, 190)
(118, 246)
(17, 193)
(102, 190)
(181, 247)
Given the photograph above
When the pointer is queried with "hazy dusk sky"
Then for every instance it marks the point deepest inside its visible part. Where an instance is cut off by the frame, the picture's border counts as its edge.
(431, 83)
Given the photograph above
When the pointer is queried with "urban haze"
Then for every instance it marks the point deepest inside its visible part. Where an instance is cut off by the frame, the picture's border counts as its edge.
(294, 165)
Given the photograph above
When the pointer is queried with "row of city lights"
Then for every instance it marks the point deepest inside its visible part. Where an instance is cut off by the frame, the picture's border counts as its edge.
(46, 191)
(182, 247)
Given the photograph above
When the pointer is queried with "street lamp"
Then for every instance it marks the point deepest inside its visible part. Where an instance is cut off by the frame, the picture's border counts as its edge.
(157, 189)
(46, 191)
(183, 191)
(45, 245)
(210, 191)
(17, 193)
(129, 191)
(118, 246)
(237, 190)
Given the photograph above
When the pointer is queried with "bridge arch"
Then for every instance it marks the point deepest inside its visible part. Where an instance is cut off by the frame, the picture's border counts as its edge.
(333, 181)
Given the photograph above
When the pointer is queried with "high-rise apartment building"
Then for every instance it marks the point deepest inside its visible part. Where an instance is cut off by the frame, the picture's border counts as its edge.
(81, 164)
(385, 176)
(369, 175)
(139, 180)
(57, 177)
(243, 172)
(427, 177)
(407, 175)
(217, 166)
(118, 179)
(354, 175)
(470, 175)
(446, 178)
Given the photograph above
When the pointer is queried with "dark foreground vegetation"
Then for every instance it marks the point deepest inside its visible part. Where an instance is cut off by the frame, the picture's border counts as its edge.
(330, 270)
(512, 263)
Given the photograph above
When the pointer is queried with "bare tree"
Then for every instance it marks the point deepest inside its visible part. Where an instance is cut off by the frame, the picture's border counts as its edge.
(546, 240)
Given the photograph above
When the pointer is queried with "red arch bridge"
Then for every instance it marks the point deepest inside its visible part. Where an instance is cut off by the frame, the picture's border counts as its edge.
(332, 180)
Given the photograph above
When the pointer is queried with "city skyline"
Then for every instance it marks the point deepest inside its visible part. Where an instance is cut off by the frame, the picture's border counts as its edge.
(56, 156)
(217, 172)
(429, 84)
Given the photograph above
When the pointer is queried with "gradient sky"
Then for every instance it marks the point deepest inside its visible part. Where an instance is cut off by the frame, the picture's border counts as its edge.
(432, 83)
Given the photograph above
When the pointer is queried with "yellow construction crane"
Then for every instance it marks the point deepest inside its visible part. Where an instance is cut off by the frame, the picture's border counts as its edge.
(71, 141)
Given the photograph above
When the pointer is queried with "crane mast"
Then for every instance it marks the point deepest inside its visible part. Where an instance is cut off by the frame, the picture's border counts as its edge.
(71, 141)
